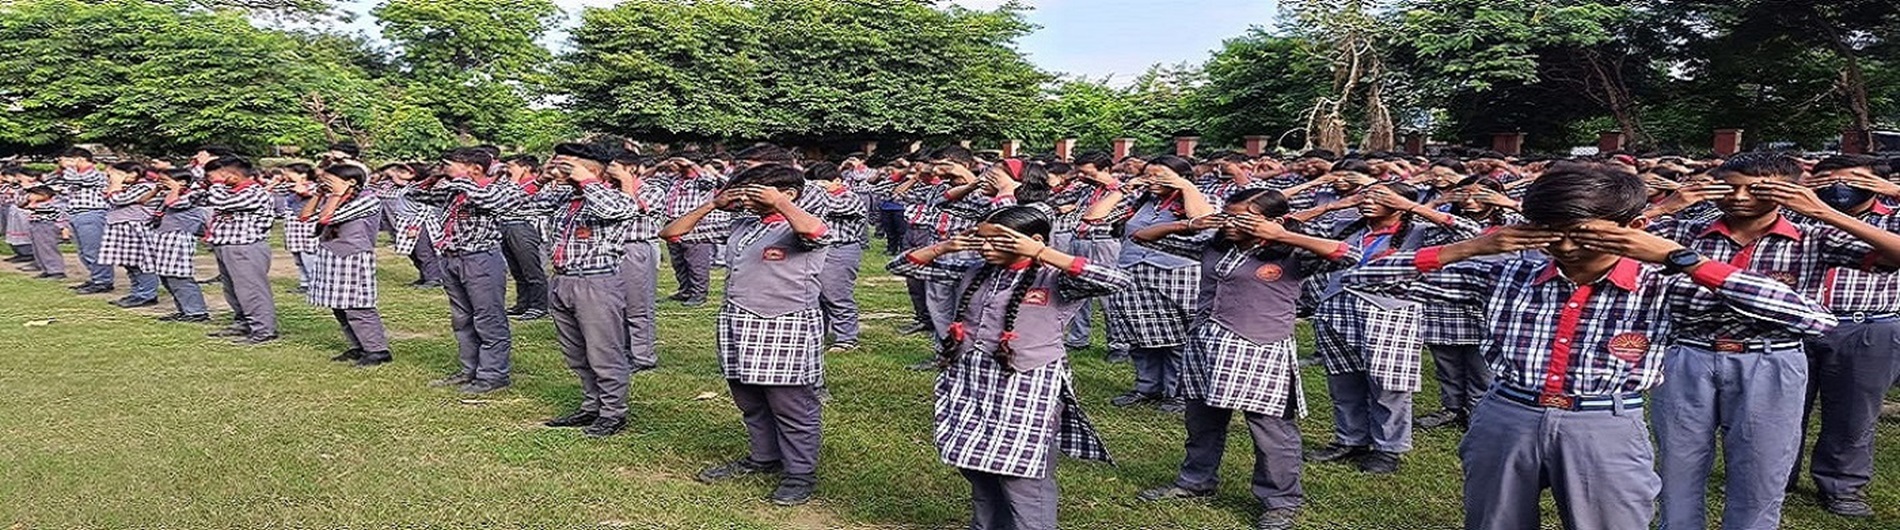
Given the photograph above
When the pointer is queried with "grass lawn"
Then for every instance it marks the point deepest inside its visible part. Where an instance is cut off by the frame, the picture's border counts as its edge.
(113, 420)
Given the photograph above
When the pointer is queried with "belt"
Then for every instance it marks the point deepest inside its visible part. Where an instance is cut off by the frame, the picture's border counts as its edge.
(585, 274)
(1863, 317)
(1742, 346)
(1628, 401)
(462, 253)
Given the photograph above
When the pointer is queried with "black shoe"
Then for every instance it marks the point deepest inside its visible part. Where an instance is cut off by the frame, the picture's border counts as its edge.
(1336, 452)
(300, 290)
(696, 302)
(678, 297)
(16, 258)
(1172, 492)
(578, 418)
(95, 289)
(516, 310)
(636, 369)
(1440, 419)
(194, 319)
(738, 468)
(915, 328)
(51, 276)
(30, 268)
(129, 303)
(1173, 406)
(1132, 398)
(348, 356)
(455, 379)
(484, 387)
(794, 490)
(531, 314)
(230, 332)
(1847, 506)
(78, 286)
(604, 427)
(1279, 519)
(1118, 357)
(174, 317)
(374, 359)
(1379, 463)
(213, 279)
(253, 341)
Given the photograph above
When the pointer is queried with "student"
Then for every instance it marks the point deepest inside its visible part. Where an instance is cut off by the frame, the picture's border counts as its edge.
(1005, 401)
(522, 243)
(1242, 354)
(588, 293)
(240, 219)
(1736, 379)
(687, 188)
(45, 212)
(1567, 410)
(1452, 333)
(178, 224)
(844, 212)
(128, 236)
(84, 185)
(294, 185)
(1153, 315)
(770, 326)
(468, 204)
(405, 220)
(1089, 182)
(344, 217)
(1854, 365)
(640, 266)
(19, 234)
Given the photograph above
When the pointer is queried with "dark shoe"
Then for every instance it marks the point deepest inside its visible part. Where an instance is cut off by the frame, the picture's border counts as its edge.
(174, 317)
(213, 279)
(696, 302)
(95, 289)
(1280, 519)
(641, 368)
(484, 387)
(1132, 398)
(374, 359)
(1379, 463)
(794, 491)
(348, 356)
(429, 285)
(738, 468)
(51, 276)
(678, 297)
(914, 329)
(1119, 357)
(516, 310)
(531, 314)
(1440, 419)
(16, 258)
(78, 286)
(253, 341)
(1309, 362)
(1336, 452)
(578, 418)
(1847, 506)
(604, 427)
(194, 319)
(300, 290)
(129, 303)
(926, 366)
(842, 347)
(230, 332)
(1173, 406)
(1172, 492)
(455, 379)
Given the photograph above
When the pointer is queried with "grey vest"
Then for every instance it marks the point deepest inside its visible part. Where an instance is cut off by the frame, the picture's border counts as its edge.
(350, 237)
(1149, 214)
(772, 273)
(187, 220)
(1256, 299)
(1040, 320)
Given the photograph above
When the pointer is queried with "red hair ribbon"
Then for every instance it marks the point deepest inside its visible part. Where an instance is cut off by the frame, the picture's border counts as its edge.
(956, 332)
(1008, 337)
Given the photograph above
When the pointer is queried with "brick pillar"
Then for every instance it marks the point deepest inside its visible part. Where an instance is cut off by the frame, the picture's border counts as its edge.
(1065, 149)
(1728, 142)
(1608, 141)
(1856, 141)
(1184, 145)
(1010, 147)
(1123, 147)
(1415, 143)
(1511, 143)
(1256, 145)
(868, 147)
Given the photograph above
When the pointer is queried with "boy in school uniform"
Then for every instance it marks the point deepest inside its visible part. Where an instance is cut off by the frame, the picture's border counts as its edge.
(1091, 179)
(469, 203)
(1566, 413)
(522, 244)
(688, 187)
(45, 212)
(84, 187)
(1739, 380)
(770, 326)
(241, 217)
(640, 264)
(588, 293)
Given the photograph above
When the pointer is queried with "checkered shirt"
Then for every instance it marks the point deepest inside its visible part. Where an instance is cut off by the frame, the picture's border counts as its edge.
(175, 239)
(1461, 324)
(1154, 311)
(1356, 332)
(1217, 189)
(529, 211)
(844, 211)
(240, 215)
(50, 211)
(470, 213)
(1228, 371)
(1797, 255)
(84, 190)
(685, 193)
(127, 245)
(1536, 313)
(994, 420)
(590, 227)
(1847, 291)
(345, 281)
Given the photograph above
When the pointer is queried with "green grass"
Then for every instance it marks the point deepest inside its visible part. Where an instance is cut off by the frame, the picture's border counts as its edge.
(112, 420)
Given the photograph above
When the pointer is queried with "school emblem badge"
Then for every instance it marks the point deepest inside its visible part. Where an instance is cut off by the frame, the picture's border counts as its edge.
(1269, 273)
(1630, 347)
(774, 254)
(1036, 297)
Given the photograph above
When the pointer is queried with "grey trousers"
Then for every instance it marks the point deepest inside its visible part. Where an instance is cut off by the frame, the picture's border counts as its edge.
(1462, 374)
(1276, 453)
(1366, 414)
(244, 272)
(362, 329)
(836, 286)
(89, 233)
(477, 285)
(1751, 403)
(1598, 465)
(428, 263)
(692, 268)
(639, 272)
(1851, 369)
(46, 248)
(941, 299)
(521, 242)
(1157, 370)
(590, 324)
(1003, 502)
(782, 424)
(144, 285)
(186, 295)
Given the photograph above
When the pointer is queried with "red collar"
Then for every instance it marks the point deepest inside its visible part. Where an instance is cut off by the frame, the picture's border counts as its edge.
(1622, 275)
(1021, 265)
(1389, 230)
(1783, 227)
(1881, 208)
(773, 219)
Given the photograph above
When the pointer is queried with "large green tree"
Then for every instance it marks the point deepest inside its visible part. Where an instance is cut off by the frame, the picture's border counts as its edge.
(1260, 84)
(477, 64)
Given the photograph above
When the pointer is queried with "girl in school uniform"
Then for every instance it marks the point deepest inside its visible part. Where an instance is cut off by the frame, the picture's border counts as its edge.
(131, 197)
(408, 223)
(295, 189)
(1453, 332)
(1153, 315)
(19, 238)
(177, 226)
(771, 329)
(45, 213)
(1242, 355)
(1370, 343)
(343, 220)
(1005, 403)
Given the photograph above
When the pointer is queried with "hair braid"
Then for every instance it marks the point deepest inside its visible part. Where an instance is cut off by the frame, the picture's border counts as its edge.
(1004, 351)
(953, 337)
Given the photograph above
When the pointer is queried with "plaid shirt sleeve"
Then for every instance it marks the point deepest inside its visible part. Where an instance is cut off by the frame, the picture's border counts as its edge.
(604, 203)
(132, 194)
(224, 198)
(1715, 289)
(498, 196)
(1419, 276)
(1189, 245)
(1088, 280)
(1841, 249)
(715, 227)
(973, 206)
(1312, 264)
(941, 269)
(364, 205)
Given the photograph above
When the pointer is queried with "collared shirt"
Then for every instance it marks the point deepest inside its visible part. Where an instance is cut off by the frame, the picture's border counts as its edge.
(590, 227)
(1847, 291)
(1799, 256)
(844, 210)
(470, 212)
(131, 194)
(684, 193)
(240, 214)
(1607, 337)
(50, 211)
(1217, 189)
(85, 191)
(358, 207)
(529, 211)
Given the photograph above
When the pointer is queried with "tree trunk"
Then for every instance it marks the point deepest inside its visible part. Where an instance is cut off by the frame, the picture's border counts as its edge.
(1380, 132)
(1606, 84)
(1854, 86)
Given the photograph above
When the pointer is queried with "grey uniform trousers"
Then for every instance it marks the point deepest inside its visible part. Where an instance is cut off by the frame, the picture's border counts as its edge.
(1003, 502)
(639, 272)
(1850, 370)
(477, 285)
(245, 276)
(590, 324)
(782, 424)
(1598, 466)
(1276, 453)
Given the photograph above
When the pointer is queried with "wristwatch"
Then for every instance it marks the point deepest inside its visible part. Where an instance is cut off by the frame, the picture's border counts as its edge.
(1681, 260)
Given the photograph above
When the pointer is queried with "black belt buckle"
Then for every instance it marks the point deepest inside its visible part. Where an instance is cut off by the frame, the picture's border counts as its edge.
(1556, 401)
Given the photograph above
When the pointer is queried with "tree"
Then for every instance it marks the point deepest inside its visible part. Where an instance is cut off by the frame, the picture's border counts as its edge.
(1259, 84)
(1351, 37)
(475, 63)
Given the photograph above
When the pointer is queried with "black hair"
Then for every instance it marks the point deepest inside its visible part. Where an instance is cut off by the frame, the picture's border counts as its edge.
(301, 168)
(1356, 165)
(768, 153)
(348, 148)
(232, 162)
(493, 151)
(1060, 168)
(1035, 184)
(349, 172)
(184, 176)
(1405, 218)
(630, 160)
(581, 151)
(1024, 220)
(1099, 159)
(1760, 164)
(1180, 166)
(394, 165)
(1453, 164)
(1879, 167)
(42, 189)
(1485, 182)
(1573, 193)
(769, 175)
(525, 160)
(134, 168)
(75, 152)
(219, 151)
(825, 171)
(955, 153)
(475, 156)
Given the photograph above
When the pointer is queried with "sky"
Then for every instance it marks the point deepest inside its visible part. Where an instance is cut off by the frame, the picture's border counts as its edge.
(1094, 38)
